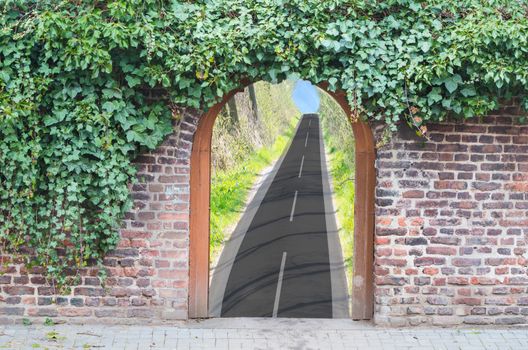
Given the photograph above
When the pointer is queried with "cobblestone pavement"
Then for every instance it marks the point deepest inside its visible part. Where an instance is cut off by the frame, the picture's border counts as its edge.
(245, 334)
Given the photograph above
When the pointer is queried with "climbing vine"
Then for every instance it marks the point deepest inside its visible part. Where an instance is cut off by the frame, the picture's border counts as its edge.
(75, 76)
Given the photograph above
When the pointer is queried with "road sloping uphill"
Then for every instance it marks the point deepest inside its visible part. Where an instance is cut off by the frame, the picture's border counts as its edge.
(282, 267)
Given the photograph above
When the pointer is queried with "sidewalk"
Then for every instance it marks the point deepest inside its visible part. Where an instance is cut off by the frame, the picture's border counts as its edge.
(249, 334)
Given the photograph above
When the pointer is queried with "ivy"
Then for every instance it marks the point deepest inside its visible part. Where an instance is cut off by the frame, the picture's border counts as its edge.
(75, 76)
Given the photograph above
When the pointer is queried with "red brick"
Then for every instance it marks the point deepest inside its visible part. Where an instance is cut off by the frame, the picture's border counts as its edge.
(75, 312)
(450, 185)
(413, 194)
(441, 250)
(391, 280)
(468, 301)
(427, 261)
(431, 271)
(466, 262)
(517, 186)
(383, 251)
(382, 240)
(19, 290)
(391, 262)
(173, 216)
(173, 274)
(460, 281)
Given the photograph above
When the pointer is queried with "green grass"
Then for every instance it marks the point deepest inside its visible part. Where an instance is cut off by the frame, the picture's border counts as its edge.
(230, 188)
(343, 173)
(340, 147)
(339, 143)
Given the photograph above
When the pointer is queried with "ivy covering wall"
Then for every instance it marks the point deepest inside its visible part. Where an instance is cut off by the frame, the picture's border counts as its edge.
(74, 76)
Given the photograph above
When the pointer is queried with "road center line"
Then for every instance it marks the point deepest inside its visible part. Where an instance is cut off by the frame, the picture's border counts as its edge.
(279, 285)
(300, 170)
(306, 141)
(293, 206)
(310, 123)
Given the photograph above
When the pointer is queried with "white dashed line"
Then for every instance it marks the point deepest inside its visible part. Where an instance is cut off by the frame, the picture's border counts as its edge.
(279, 285)
(300, 169)
(306, 141)
(293, 206)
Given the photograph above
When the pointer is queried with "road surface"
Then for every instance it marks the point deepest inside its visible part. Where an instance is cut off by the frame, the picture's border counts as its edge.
(282, 266)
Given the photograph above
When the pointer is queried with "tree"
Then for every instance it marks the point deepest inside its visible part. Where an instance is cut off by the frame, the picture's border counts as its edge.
(253, 98)
(232, 111)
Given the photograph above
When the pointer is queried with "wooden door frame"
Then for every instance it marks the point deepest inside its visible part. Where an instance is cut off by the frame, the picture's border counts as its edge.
(200, 191)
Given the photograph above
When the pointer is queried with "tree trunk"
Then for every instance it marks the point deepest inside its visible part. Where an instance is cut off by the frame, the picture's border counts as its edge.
(254, 105)
(232, 110)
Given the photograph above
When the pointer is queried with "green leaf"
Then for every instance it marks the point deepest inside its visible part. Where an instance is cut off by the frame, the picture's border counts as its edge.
(4, 76)
(452, 82)
(425, 46)
(415, 6)
(434, 96)
(132, 80)
(109, 106)
(468, 91)
(332, 81)
(49, 120)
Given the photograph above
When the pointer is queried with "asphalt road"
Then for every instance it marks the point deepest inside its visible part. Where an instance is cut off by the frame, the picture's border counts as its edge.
(282, 266)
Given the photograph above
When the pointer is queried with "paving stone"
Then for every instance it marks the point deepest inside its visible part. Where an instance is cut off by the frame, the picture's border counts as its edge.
(261, 335)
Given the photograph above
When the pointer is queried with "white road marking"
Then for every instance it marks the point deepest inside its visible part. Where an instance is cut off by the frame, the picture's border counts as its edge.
(293, 206)
(310, 123)
(279, 285)
(306, 141)
(300, 170)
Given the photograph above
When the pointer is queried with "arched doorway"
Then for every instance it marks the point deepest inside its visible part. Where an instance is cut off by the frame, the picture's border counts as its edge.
(200, 176)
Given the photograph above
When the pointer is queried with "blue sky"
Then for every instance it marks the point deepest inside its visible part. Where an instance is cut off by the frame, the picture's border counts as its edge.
(306, 97)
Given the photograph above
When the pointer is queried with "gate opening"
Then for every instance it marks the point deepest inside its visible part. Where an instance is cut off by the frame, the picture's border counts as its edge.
(276, 251)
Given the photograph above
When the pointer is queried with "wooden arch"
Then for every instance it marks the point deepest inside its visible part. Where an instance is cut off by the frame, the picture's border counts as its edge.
(200, 183)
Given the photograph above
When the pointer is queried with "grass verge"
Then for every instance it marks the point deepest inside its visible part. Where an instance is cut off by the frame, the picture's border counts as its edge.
(342, 172)
(344, 191)
(340, 147)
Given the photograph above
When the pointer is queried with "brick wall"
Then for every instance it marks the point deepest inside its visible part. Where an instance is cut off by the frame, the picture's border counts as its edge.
(451, 235)
(452, 224)
(148, 272)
